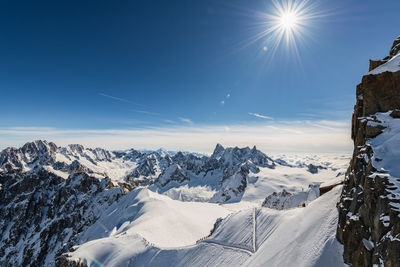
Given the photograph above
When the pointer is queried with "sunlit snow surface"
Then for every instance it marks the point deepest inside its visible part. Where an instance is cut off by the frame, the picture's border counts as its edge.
(157, 218)
(392, 65)
(386, 155)
(145, 228)
(386, 146)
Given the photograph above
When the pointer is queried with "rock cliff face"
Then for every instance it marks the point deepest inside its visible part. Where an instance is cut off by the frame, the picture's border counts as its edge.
(369, 208)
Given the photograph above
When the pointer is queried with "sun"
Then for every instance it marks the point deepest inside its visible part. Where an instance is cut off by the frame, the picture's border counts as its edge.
(288, 20)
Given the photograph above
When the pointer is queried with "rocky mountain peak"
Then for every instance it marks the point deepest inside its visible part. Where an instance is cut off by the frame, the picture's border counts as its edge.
(369, 217)
(76, 148)
(395, 47)
(37, 152)
(39, 147)
(218, 151)
(102, 154)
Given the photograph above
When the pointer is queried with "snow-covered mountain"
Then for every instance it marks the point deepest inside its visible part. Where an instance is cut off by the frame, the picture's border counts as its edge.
(222, 177)
(76, 200)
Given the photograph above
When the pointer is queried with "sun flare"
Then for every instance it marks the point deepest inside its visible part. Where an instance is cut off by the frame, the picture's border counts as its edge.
(288, 20)
(286, 25)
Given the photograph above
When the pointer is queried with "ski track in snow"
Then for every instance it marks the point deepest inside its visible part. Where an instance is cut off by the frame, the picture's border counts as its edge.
(243, 248)
(254, 246)
(254, 230)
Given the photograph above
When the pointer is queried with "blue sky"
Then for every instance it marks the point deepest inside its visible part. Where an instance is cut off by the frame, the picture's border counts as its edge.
(99, 72)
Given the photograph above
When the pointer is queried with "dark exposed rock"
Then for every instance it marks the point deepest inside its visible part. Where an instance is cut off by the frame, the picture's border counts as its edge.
(395, 114)
(372, 131)
(41, 213)
(64, 261)
(395, 47)
(373, 64)
(174, 173)
(369, 224)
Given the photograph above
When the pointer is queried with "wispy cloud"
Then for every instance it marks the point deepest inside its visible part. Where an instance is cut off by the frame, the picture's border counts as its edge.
(186, 120)
(287, 136)
(146, 112)
(260, 116)
(121, 99)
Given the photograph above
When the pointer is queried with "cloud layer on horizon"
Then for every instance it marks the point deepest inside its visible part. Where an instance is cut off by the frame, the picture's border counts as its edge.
(285, 136)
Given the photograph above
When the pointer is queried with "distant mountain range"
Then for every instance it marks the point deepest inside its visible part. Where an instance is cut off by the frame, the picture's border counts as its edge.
(225, 170)
(50, 194)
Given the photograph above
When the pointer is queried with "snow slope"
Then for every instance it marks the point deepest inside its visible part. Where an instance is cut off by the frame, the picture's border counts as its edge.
(134, 251)
(302, 236)
(252, 237)
(392, 65)
(293, 180)
(157, 218)
(386, 146)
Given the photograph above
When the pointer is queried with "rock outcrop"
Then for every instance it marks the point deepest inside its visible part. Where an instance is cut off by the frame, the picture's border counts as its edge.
(369, 208)
(285, 200)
